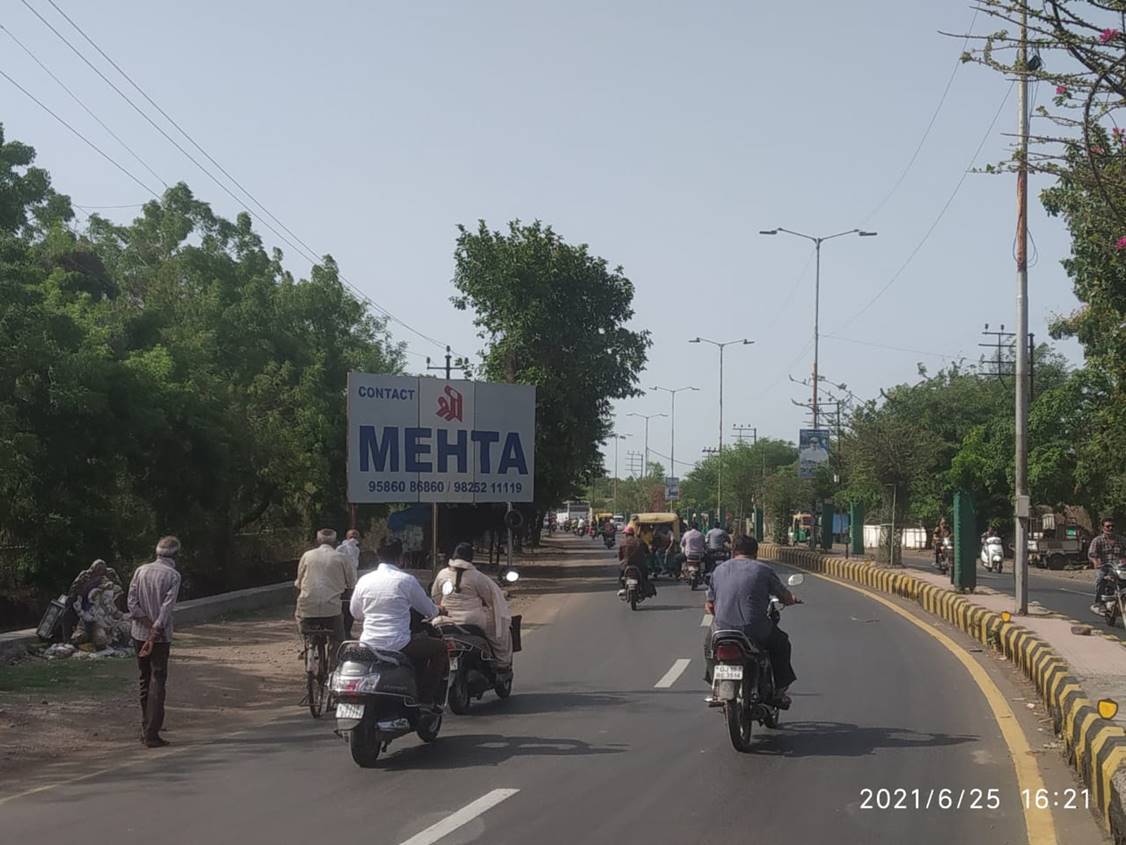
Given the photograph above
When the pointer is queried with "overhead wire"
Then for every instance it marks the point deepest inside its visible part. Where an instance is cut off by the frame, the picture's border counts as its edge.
(303, 250)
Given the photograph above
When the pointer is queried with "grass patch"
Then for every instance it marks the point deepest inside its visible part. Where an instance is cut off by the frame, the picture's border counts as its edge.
(89, 677)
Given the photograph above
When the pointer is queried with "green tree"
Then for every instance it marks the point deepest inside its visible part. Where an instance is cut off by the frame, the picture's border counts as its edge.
(554, 316)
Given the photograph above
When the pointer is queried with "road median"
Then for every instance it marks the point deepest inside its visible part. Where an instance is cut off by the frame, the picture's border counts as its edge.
(1096, 747)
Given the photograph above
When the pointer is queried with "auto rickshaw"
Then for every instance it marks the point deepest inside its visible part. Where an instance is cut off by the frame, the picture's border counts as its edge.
(654, 529)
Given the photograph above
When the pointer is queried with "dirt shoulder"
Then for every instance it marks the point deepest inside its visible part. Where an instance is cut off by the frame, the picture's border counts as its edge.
(61, 718)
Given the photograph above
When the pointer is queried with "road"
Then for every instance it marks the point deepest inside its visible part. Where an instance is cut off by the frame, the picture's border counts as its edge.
(603, 741)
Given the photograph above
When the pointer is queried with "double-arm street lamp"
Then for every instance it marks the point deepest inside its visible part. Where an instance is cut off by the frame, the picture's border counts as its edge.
(719, 482)
(817, 241)
(646, 417)
(672, 422)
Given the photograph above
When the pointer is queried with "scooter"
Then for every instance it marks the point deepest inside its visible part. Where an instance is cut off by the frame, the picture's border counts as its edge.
(1112, 593)
(377, 700)
(473, 666)
(945, 556)
(993, 553)
(743, 680)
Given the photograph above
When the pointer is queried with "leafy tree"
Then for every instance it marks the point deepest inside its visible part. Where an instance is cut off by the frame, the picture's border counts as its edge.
(554, 316)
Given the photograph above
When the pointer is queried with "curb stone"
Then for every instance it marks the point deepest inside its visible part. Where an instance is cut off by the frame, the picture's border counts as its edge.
(1095, 747)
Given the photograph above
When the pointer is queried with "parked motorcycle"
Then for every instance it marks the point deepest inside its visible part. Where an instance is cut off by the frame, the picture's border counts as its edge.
(1112, 592)
(473, 666)
(743, 680)
(692, 572)
(993, 553)
(377, 700)
(633, 594)
(945, 557)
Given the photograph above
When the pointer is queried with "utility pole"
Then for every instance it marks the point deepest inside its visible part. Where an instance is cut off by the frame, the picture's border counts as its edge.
(1021, 499)
(739, 429)
(719, 473)
(646, 417)
(634, 459)
(617, 439)
(463, 365)
(817, 241)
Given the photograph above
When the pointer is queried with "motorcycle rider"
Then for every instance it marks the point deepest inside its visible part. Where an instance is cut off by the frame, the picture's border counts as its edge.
(476, 600)
(634, 552)
(384, 599)
(940, 534)
(739, 600)
(692, 543)
(716, 541)
(1104, 549)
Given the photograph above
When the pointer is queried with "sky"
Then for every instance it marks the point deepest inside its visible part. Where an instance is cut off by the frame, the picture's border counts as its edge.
(663, 135)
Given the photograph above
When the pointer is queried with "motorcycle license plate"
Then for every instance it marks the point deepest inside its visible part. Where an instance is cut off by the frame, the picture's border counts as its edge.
(347, 710)
(631, 582)
(454, 663)
(727, 672)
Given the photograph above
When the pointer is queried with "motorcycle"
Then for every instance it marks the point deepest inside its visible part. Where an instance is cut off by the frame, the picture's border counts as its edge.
(743, 680)
(377, 700)
(473, 667)
(1112, 592)
(632, 592)
(945, 557)
(993, 553)
(692, 572)
(712, 559)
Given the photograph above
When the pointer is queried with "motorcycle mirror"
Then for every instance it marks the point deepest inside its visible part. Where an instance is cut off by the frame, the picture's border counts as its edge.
(795, 580)
(447, 588)
(511, 575)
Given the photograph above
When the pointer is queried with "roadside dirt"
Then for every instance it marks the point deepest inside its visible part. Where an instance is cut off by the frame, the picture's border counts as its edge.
(58, 718)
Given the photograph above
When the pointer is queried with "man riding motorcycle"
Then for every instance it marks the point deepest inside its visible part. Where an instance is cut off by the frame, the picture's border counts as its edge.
(739, 600)
(1104, 550)
(634, 552)
(940, 534)
(716, 542)
(476, 600)
(384, 599)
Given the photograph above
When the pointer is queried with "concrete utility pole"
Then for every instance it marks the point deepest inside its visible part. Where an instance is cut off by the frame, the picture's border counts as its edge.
(719, 472)
(463, 365)
(646, 417)
(672, 423)
(817, 241)
(1022, 505)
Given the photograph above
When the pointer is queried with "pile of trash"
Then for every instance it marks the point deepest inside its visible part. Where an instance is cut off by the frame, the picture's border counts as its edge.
(86, 651)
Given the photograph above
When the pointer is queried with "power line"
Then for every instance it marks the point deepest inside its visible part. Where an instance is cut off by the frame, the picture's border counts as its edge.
(937, 220)
(926, 132)
(85, 108)
(303, 250)
(891, 348)
(82, 137)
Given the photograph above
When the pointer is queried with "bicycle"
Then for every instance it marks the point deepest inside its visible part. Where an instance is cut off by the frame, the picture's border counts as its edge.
(318, 669)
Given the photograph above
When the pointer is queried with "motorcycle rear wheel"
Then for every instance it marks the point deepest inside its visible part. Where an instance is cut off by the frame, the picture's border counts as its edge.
(503, 689)
(428, 727)
(364, 741)
(739, 725)
(633, 600)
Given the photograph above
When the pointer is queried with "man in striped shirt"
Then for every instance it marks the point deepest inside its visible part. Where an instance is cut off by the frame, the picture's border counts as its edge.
(152, 599)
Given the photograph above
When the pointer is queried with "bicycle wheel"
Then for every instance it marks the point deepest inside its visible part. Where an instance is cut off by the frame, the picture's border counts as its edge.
(315, 676)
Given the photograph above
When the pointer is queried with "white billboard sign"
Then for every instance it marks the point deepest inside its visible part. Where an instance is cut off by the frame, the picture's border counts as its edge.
(413, 439)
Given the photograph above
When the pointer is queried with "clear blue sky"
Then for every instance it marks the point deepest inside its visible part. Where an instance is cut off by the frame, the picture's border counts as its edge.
(664, 135)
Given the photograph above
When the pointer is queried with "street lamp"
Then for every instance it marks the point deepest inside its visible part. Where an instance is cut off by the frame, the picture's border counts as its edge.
(817, 241)
(616, 437)
(719, 473)
(646, 417)
(672, 422)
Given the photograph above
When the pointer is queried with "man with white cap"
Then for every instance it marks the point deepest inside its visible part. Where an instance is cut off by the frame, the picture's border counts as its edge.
(152, 599)
(324, 575)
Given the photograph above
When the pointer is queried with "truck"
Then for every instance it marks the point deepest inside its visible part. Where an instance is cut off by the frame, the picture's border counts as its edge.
(1056, 541)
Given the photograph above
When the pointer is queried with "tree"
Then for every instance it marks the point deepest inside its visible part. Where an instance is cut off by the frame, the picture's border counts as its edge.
(554, 316)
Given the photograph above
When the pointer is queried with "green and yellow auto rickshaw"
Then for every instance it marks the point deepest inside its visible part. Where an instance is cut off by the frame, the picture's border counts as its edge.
(661, 533)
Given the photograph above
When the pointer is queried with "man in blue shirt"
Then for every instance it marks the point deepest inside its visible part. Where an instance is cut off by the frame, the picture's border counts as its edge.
(739, 600)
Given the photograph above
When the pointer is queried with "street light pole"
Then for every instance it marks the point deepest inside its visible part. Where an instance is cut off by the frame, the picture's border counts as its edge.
(672, 422)
(1021, 400)
(817, 241)
(617, 438)
(646, 417)
(719, 468)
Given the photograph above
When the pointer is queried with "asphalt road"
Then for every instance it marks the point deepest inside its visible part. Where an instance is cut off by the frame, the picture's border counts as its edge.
(596, 753)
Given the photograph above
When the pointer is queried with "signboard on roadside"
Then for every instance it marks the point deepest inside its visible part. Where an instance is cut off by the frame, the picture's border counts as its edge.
(672, 488)
(416, 439)
(813, 450)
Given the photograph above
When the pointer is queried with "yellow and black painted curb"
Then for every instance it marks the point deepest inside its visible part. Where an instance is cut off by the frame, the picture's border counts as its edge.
(1096, 747)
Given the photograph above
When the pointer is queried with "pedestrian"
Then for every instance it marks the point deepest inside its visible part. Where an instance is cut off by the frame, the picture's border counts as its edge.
(350, 548)
(152, 600)
(324, 575)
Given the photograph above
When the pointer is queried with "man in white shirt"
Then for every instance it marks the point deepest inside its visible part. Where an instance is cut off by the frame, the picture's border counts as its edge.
(384, 599)
(323, 576)
(350, 548)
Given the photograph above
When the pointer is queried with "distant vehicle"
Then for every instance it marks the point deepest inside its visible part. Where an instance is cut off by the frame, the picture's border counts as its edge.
(619, 521)
(1056, 543)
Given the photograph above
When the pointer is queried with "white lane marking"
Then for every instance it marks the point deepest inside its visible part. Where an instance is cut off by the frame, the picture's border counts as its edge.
(707, 621)
(675, 672)
(463, 816)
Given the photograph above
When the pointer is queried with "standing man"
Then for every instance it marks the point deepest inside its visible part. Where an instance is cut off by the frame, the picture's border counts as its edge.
(1102, 553)
(350, 548)
(384, 599)
(323, 576)
(152, 599)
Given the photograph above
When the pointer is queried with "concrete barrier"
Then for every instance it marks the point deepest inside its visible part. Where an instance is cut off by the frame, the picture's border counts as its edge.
(1096, 747)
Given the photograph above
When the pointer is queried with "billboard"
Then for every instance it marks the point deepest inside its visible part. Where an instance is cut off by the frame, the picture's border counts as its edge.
(415, 439)
(672, 488)
(813, 450)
